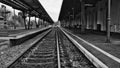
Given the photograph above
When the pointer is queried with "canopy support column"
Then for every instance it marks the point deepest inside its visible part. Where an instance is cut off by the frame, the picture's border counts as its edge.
(29, 21)
(24, 17)
(83, 17)
(108, 21)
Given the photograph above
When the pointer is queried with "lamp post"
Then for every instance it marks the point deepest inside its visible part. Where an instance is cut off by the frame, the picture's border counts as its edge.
(73, 22)
(73, 13)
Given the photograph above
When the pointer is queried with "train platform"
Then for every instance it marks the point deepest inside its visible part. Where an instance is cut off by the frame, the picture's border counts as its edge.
(5, 35)
(12, 36)
(10, 54)
(95, 43)
(16, 37)
(10, 32)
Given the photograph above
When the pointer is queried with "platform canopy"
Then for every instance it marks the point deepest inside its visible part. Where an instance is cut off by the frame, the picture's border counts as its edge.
(70, 7)
(33, 7)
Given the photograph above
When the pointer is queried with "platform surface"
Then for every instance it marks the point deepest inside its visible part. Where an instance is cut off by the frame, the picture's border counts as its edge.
(108, 53)
(13, 34)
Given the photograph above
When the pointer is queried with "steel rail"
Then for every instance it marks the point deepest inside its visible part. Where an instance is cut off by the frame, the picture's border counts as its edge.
(58, 51)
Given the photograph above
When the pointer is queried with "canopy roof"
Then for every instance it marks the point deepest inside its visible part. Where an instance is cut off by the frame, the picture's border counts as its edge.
(73, 6)
(33, 7)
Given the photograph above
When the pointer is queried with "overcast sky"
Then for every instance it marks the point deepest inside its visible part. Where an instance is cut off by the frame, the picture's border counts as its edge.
(52, 7)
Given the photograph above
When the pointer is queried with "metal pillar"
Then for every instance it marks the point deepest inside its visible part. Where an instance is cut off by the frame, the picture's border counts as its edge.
(69, 24)
(5, 15)
(43, 23)
(5, 23)
(29, 21)
(24, 17)
(14, 19)
(96, 18)
(83, 17)
(36, 22)
(35, 19)
(39, 22)
(108, 21)
(14, 12)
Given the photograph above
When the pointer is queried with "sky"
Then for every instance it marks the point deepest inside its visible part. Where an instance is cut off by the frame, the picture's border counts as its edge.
(52, 7)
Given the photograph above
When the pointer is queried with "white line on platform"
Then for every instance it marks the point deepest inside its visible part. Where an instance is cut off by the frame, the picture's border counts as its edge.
(89, 55)
(4, 42)
(19, 35)
(102, 51)
(6, 38)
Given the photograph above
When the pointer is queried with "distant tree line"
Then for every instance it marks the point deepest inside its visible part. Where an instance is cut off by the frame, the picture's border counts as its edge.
(11, 19)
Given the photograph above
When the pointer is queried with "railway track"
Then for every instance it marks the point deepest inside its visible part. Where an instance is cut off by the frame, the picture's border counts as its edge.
(54, 51)
(71, 56)
(41, 56)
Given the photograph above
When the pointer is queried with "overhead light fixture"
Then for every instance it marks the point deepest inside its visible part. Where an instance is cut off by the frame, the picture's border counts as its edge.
(88, 4)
